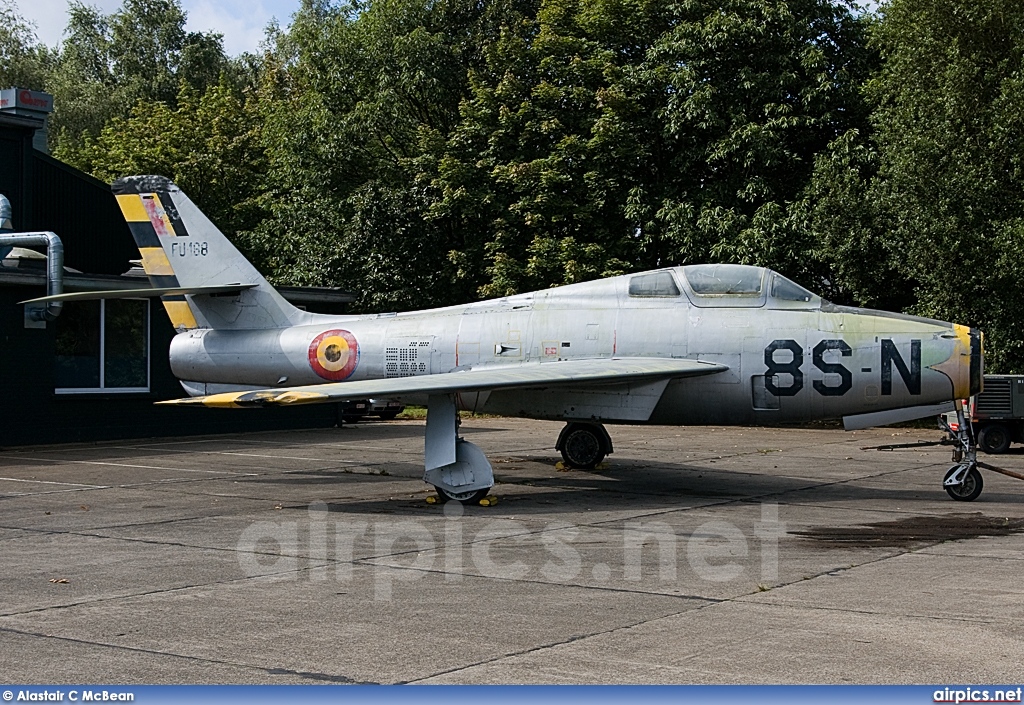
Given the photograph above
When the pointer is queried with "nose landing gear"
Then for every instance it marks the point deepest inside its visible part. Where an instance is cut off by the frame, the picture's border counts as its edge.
(963, 481)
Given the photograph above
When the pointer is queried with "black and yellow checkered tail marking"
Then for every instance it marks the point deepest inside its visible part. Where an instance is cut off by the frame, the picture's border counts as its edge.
(148, 219)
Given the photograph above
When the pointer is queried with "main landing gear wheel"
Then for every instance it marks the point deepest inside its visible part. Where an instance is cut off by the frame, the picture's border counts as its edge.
(583, 446)
(458, 469)
(967, 491)
(471, 497)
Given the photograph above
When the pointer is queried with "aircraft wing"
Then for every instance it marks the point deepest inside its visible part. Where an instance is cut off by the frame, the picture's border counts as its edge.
(480, 379)
(142, 293)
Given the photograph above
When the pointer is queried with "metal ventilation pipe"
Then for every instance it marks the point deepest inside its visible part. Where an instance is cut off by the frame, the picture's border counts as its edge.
(54, 258)
(6, 213)
(54, 266)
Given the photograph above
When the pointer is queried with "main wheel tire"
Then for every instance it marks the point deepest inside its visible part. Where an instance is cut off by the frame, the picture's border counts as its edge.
(388, 415)
(994, 439)
(471, 497)
(583, 447)
(351, 418)
(971, 488)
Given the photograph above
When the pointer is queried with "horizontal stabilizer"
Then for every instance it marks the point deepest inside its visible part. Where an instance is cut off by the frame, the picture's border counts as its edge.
(480, 379)
(884, 418)
(143, 293)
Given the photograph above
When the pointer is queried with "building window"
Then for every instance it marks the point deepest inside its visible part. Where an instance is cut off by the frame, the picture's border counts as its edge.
(103, 346)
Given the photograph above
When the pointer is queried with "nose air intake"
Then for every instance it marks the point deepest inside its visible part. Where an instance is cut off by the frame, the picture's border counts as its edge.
(977, 371)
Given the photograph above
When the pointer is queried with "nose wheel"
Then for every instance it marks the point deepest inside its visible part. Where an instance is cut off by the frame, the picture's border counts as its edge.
(968, 489)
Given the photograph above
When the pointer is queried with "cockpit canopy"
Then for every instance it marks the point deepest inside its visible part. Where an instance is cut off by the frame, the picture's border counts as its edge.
(724, 279)
(725, 285)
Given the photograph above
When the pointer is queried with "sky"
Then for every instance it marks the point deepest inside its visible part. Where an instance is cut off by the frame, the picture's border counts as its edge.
(240, 21)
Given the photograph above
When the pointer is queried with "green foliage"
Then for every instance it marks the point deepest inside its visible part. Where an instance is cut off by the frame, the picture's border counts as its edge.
(356, 113)
(108, 63)
(755, 90)
(209, 144)
(949, 124)
(23, 61)
(648, 133)
(856, 259)
(424, 153)
(928, 211)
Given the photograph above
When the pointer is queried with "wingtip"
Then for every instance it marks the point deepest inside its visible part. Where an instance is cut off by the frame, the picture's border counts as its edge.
(179, 402)
(213, 401)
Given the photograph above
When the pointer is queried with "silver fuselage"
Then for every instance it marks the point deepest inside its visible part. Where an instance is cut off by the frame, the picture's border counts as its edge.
(788, 360)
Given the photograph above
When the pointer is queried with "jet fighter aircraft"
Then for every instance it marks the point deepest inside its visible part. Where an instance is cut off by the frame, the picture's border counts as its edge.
(701, 344)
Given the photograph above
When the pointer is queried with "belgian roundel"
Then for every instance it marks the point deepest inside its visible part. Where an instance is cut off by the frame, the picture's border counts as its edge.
(334, 354)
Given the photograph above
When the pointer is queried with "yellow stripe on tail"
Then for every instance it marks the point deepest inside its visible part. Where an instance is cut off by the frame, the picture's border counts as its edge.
(147, 220)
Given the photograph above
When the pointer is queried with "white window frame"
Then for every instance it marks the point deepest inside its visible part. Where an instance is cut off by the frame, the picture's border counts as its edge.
(102, 389)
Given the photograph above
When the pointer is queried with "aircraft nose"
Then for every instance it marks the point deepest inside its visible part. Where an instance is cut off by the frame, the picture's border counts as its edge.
(966, 364)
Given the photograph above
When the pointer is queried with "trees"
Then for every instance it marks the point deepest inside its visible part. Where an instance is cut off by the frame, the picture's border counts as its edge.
(950, 128)
(932, 197)
(539, 166)
(515, 144)
(430, 152)
(108, 63)
(24, 62)
(622, 134)
(209, 144)
(355, 117)
(754, 91)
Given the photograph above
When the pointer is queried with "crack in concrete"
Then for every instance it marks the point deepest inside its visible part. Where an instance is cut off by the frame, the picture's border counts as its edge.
(160, 591)
(703, 602)
(322, 677)
(542, 647)
(711, 603)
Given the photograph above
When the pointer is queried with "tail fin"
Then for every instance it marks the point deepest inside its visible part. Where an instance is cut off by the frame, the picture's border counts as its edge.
(180, 247)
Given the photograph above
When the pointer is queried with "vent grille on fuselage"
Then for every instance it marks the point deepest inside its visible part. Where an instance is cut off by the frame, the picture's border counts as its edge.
(408, 360)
